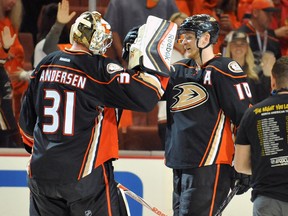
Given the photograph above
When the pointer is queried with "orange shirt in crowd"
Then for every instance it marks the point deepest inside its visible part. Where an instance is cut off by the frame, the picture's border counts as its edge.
(15, 59)
(185, 6)
(281, 19)
(244, 7)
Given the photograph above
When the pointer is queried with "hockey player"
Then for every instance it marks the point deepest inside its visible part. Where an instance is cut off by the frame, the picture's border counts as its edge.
(206, 96)
(69, 122)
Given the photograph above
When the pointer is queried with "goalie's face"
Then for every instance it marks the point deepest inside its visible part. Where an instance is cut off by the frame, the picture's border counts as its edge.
(189, 40)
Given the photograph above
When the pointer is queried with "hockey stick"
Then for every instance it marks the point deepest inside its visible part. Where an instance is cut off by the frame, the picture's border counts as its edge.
(140, 200)
(228, 198)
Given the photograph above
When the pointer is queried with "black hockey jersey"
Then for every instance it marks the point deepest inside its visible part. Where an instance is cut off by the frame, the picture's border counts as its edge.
(70, 112)
(202, 107)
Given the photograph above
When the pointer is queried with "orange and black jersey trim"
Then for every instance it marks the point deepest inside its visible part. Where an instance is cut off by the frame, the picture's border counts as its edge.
(71, 110)
(203, 107)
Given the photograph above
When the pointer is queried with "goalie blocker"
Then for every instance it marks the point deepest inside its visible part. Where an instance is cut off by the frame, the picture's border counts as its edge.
(152, 49)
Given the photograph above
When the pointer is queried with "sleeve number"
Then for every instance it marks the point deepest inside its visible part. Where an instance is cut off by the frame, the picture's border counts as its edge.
(53, 112)
(243, 86)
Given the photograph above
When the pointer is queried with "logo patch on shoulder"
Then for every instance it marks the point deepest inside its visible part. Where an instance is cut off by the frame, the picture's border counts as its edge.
(113, 68)
(235, 67)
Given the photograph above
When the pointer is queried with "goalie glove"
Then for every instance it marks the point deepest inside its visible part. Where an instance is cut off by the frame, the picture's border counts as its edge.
(128, 41)
(152, 49)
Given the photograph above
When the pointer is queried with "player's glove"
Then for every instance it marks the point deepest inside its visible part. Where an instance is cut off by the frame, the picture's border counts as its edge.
(128, 41)
(243, 180)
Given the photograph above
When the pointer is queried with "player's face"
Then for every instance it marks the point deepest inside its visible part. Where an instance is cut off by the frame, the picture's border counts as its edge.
(189, 43)
(238, 48)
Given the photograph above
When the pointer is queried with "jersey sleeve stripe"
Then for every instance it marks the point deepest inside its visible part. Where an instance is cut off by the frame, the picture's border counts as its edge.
(183, 64)
(28, 140)
(151, 82)
(226, 74)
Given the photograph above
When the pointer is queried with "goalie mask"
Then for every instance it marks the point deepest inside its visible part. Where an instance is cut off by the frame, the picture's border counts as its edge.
(199, 24)
(92, 31)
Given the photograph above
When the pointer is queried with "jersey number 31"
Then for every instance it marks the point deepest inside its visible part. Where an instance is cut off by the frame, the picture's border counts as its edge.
(53, 112)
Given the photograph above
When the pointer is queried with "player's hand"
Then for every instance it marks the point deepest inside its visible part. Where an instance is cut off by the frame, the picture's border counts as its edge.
(63, 15)
(243, 180)
(7, 38)
(128, 41)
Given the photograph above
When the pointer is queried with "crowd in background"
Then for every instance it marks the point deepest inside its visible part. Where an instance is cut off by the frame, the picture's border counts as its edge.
(264, 39)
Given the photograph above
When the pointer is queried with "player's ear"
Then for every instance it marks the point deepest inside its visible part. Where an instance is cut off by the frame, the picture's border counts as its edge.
(204, 40)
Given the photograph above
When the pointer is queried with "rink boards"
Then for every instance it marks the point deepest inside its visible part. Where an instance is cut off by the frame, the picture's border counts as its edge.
(143, 172)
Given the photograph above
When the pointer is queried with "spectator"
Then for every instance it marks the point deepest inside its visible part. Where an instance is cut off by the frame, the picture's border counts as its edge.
(280, 24)
(185, 6)
(50, 37)
(8, 125)
(32, 9)
(261, 146)
(225, 13)
(264, 44)
(227, 17)
(244, 10)
(52, 29)
(238, 48)
(10, 16)
(200, 117)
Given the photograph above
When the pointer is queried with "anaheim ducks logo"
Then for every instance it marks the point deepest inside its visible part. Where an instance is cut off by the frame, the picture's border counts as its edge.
(113, 68)
(190, 96)
(235, 67)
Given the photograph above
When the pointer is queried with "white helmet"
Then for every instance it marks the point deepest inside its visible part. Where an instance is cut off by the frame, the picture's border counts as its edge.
(92, 31)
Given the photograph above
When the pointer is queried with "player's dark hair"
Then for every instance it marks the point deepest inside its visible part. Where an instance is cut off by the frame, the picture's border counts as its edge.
(280, 72)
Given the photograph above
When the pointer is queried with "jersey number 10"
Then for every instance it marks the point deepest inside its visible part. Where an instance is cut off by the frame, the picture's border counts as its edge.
(240, 87)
